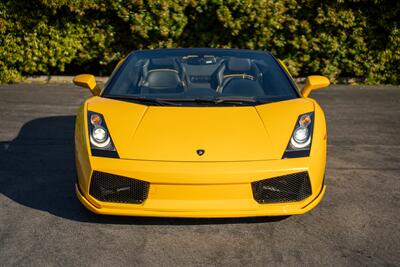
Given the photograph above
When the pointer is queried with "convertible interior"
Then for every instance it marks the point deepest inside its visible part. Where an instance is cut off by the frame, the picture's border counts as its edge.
(198, 76)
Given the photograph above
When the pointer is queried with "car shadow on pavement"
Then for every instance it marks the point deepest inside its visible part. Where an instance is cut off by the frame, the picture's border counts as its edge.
(37, 170)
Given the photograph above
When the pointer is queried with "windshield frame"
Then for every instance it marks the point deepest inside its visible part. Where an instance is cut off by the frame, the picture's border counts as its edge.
(117, 72)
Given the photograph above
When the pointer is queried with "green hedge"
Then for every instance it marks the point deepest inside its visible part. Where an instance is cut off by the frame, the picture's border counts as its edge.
(337, 38)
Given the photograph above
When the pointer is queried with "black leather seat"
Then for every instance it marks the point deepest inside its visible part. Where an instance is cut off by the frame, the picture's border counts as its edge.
(235, 68)
(161, 75)
(158, 64)
(162, 81)
(242, 87)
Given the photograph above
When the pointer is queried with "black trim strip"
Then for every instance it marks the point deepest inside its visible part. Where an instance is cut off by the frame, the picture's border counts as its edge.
(105, 153)
(296, 153)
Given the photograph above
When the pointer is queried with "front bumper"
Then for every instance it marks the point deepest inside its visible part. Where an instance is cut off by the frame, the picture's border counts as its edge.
(200, 189)
(263, 210)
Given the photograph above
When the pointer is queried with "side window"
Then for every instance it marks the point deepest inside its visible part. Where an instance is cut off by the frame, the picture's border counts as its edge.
(274, 80)
(128, 79)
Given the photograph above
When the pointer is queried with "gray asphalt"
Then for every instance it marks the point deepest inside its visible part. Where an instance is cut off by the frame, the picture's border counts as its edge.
(43, 224)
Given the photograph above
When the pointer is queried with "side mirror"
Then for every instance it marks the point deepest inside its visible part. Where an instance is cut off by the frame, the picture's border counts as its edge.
(87, 81)
(314, 82)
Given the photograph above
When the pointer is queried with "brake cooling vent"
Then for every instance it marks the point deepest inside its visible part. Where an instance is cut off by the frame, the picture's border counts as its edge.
(287, 188)
(114, 188)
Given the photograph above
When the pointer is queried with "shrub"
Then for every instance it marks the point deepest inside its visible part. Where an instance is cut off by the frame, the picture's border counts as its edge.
(356, 38)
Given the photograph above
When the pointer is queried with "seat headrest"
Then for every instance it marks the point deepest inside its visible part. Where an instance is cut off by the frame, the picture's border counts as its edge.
(166, 62)
(162, 79)
(239, 64)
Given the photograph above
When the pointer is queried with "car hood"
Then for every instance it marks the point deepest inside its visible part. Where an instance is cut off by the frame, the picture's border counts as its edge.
(167, 133)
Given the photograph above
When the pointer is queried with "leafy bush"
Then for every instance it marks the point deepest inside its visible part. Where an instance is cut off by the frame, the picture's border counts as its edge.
(338, 38)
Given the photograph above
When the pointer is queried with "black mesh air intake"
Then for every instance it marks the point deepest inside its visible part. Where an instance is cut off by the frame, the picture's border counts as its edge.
(114, 188)
(287, 188)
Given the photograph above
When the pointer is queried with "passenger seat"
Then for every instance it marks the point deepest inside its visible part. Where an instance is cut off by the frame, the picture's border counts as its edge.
(161, 75)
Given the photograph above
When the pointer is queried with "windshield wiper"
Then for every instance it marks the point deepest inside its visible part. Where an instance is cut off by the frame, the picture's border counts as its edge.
(219, 100)
(235, 99)
(143, 100)
(196, 100)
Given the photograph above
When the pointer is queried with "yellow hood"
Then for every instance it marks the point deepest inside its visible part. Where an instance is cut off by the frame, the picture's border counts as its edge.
(168, 133)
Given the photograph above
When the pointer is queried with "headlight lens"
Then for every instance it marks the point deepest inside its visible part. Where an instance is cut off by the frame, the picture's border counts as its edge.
(99, 138)
(300, 135)
(300, 141)
(95, 119)
(101, 143)
(305, 120)
(99, 134)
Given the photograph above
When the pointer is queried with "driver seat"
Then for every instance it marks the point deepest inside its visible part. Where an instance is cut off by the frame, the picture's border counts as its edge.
(235, 68)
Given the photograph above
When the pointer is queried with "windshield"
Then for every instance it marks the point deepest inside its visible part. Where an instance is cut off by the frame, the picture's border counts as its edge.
(200, 77)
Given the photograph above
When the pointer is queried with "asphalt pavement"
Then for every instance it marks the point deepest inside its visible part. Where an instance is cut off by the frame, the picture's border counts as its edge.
(43, 224)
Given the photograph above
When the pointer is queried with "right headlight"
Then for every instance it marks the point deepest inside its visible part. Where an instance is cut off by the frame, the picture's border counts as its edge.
(300, 141)
(101, 143)
(99, 137)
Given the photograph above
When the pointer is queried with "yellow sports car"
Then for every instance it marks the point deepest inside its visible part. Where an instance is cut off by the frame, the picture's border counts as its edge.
(200, 133)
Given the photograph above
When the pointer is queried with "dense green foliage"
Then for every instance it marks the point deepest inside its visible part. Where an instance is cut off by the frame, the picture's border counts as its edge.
(338, 38)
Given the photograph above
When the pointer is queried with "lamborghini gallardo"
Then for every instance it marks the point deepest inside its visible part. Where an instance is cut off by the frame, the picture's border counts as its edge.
(200, 132)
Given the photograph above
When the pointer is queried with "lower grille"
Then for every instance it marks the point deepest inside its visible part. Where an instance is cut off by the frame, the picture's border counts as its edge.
(114, 188)
(286, 188)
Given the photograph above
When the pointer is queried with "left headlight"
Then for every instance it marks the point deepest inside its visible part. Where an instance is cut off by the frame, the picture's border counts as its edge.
(300, 141)
(99, 137)
(101, 143)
